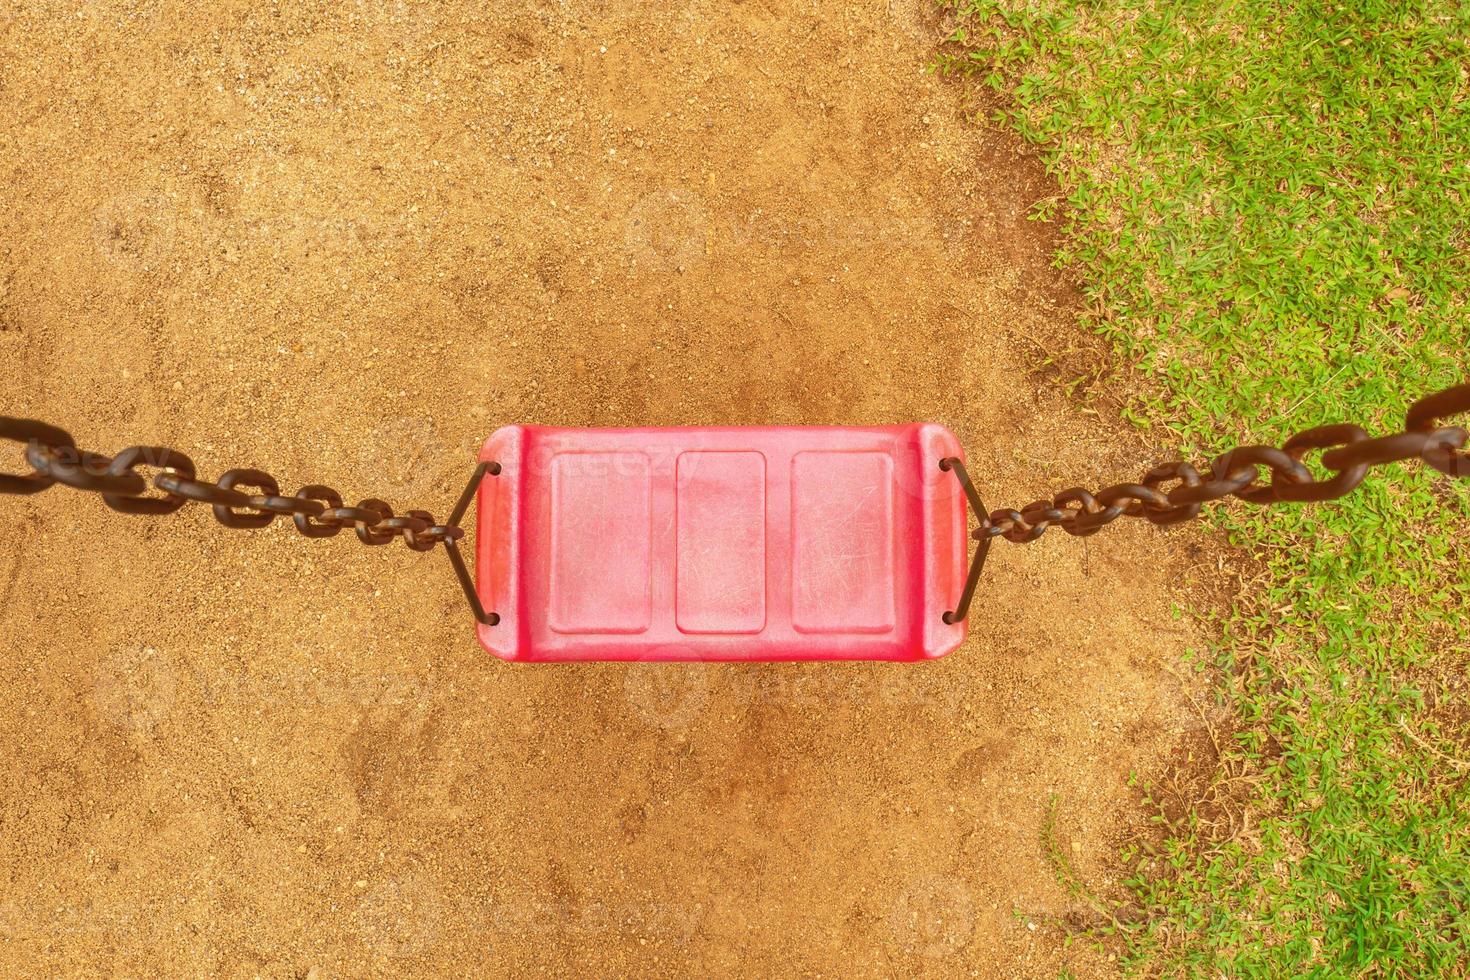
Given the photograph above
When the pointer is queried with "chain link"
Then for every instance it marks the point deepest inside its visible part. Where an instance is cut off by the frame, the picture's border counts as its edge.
(1242, 473)
(241, 498)
(1176, 491)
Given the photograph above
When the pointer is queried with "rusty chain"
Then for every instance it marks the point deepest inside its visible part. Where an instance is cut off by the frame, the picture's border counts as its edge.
(317, 511)
(1350, 453)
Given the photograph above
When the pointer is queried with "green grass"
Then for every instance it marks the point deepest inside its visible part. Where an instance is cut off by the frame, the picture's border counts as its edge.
(1269, 208)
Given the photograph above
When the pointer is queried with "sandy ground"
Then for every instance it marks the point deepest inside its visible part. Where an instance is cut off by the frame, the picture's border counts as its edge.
(343, 242)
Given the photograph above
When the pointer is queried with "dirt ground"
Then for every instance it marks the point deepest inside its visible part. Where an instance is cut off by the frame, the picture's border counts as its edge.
(344, 242)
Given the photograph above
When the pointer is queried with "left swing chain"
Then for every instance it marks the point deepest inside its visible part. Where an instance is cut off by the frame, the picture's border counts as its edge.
(241, 498)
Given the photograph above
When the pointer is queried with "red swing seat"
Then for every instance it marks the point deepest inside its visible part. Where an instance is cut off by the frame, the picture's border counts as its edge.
(736, 544)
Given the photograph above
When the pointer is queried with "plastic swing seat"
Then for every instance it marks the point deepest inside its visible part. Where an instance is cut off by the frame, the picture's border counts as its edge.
(734, 544)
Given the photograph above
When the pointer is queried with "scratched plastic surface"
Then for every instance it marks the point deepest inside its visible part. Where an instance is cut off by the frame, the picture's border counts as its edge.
(720, 544)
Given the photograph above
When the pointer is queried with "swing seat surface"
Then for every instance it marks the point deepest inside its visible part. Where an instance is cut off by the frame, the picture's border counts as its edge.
(720, 544)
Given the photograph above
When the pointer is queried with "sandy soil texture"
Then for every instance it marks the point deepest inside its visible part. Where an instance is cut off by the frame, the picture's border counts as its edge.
(342, 242)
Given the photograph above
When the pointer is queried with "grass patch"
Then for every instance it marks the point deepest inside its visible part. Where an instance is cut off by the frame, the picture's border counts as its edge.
(1269, 208)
